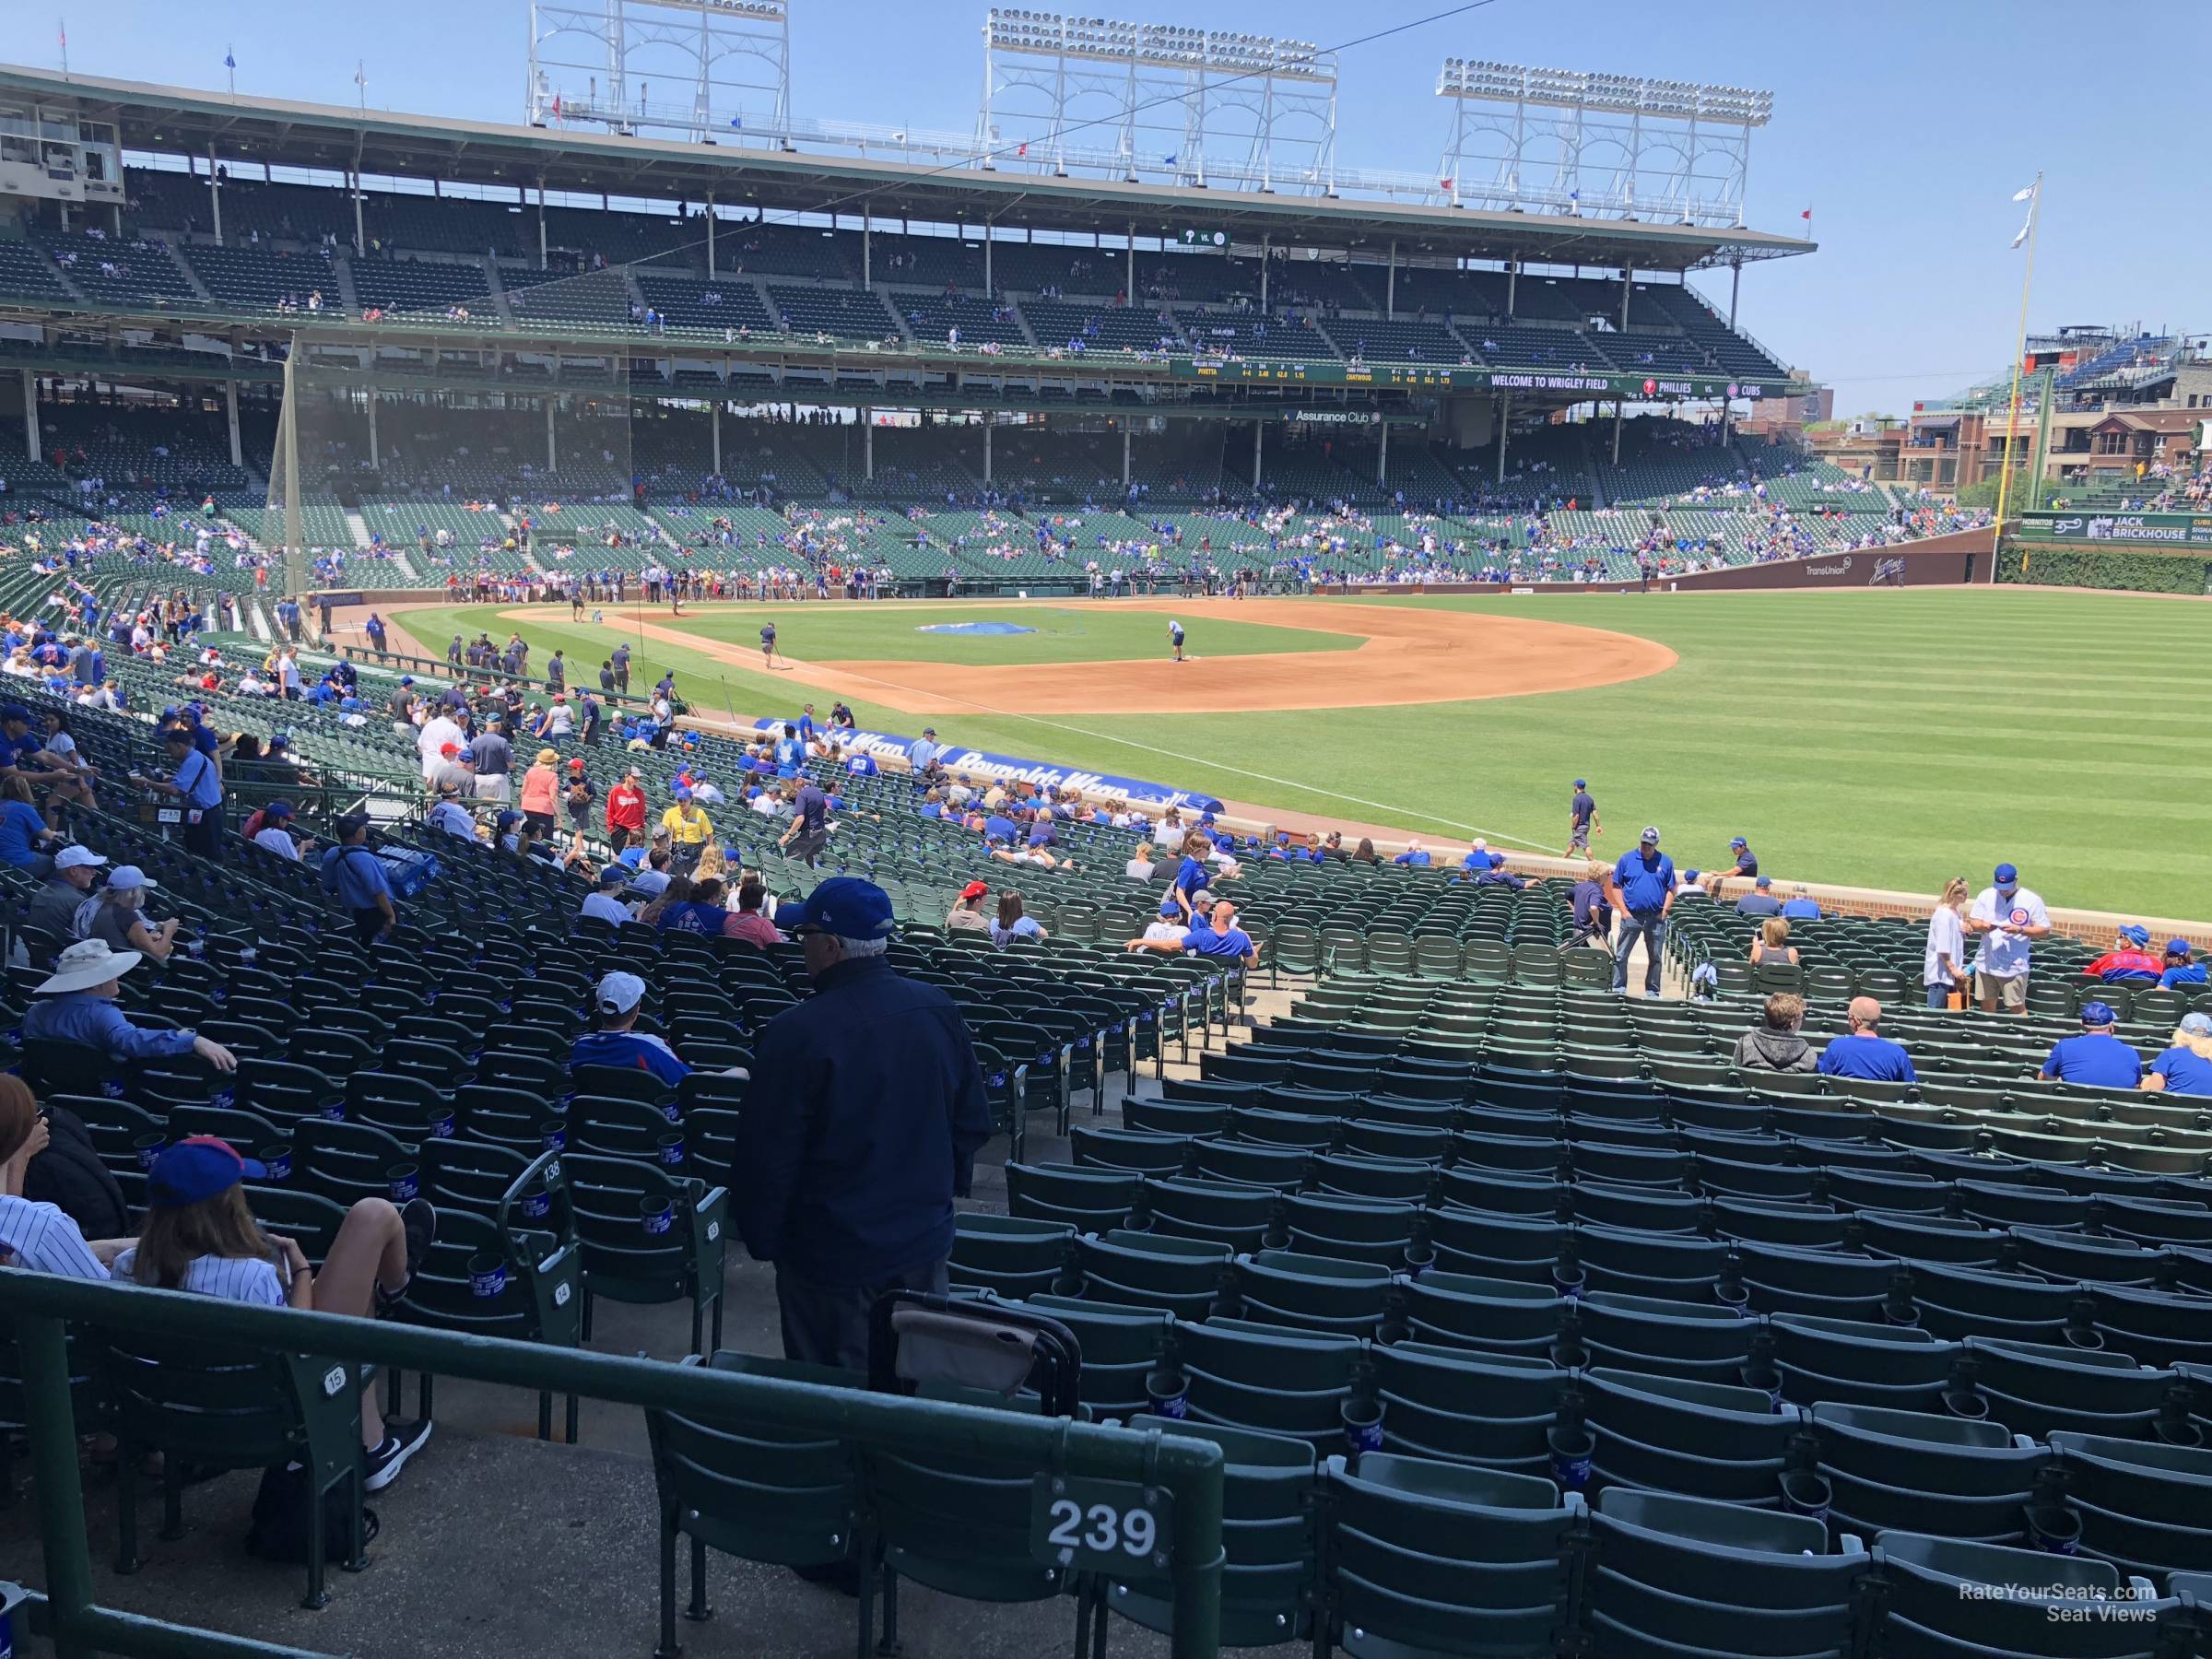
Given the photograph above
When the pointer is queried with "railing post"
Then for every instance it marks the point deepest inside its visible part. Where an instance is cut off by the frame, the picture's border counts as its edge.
(1196, 1565)
(50, 1418)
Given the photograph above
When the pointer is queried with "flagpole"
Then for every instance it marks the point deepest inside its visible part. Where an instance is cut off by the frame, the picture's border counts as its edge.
(2012, 408)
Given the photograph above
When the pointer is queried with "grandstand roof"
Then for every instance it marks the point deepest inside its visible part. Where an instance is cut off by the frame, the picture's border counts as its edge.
(185, 120)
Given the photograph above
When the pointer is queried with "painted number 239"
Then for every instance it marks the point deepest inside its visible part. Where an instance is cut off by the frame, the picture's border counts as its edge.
(1127, 1530)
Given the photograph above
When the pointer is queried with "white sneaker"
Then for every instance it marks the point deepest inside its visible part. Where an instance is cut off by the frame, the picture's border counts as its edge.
(401, 1441)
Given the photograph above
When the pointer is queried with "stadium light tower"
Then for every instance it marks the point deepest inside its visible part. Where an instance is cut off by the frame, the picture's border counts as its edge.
(1132, 100)
(724, 65)
(1596, 145)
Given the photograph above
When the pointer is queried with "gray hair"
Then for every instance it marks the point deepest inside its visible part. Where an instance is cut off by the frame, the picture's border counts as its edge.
(122, 895)
(862, 947)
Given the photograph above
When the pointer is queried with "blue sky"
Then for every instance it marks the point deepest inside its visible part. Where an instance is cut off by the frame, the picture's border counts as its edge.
(1905, 126)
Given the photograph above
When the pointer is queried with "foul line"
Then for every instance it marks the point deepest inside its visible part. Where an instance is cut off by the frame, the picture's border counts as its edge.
(1060, 725)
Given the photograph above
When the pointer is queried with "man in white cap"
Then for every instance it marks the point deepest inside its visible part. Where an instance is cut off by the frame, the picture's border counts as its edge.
(54, 906)
(618, 1042)
(78, 1005)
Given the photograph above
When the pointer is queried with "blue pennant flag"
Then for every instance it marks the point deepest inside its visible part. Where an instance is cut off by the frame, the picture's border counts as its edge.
(229, 60)
(737, 121)
(1167, 161)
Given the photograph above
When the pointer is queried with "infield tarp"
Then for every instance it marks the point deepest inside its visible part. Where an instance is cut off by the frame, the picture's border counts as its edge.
(983, 763)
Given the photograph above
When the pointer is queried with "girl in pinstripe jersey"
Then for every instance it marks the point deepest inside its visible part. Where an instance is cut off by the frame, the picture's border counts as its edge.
(200, 1235)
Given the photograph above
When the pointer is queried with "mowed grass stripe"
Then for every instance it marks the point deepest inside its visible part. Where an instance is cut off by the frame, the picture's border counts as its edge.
(1887, 738)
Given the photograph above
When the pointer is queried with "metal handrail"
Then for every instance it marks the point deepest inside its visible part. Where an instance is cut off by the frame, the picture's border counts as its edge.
(40, 1305)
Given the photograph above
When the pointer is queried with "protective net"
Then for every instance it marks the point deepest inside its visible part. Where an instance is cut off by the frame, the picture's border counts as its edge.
(434, 465)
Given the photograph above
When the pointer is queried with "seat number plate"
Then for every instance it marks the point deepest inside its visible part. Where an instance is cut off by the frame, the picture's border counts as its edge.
(1110, 1525)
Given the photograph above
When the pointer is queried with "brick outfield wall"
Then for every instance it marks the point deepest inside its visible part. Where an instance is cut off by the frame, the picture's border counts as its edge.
(1954, 561)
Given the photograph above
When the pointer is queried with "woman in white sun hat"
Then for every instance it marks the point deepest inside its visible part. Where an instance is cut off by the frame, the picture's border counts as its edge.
(78, 1005)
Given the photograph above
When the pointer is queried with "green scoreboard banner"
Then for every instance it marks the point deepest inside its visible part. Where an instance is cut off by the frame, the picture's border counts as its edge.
(1640, 388)
(2141, 529)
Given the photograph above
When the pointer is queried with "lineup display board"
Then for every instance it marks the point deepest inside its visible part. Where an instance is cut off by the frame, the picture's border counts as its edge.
(1437, 377)
(2127, 529)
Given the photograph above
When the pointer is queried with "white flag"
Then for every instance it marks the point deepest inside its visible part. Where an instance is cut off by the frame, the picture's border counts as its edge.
(2032, 196)
(2021, 196)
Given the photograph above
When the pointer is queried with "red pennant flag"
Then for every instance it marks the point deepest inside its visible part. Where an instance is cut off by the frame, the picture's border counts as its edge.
(1022, 150)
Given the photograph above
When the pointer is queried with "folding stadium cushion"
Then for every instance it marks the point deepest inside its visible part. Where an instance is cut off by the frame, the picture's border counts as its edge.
(1417, 1554)
(1978, 1599)
(1937, 1472)
(1683, 1575)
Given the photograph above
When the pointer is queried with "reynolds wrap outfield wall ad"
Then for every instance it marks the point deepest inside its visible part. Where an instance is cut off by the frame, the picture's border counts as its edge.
(982, 763)
(2140, 529)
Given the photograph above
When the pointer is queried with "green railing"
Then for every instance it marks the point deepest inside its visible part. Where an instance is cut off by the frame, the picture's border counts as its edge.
(37, 1307)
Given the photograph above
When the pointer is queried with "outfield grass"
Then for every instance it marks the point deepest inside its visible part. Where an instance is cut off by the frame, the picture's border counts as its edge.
(1889, 739)
(841, 632)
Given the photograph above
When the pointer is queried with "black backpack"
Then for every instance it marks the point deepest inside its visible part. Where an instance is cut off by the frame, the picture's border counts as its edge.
(278, 1530)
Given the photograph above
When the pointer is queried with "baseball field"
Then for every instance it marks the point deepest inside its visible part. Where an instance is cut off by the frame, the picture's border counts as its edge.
(1890, 738)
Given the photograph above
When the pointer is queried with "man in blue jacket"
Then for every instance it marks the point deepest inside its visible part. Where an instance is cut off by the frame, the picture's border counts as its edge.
(861, 1127)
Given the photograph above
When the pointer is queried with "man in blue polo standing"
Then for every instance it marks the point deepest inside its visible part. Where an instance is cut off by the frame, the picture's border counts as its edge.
(1642, 890)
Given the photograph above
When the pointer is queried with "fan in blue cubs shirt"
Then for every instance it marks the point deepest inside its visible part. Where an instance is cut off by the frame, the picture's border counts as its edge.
(1863, 1052)
(1219, 936)
(2186, 1067)
(2096, 1059)
(617, 1042)
(2182, 967)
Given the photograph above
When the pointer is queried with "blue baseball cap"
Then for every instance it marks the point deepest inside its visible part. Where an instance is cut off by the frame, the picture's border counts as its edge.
(844, 905)
(2098, 1014)
(1582, 782)
(1168, 907)
(278, 809)
(1738, 843)
(407, 679)
(464, 753)
(2180, 948)
(195, 1169)
(2005, 873)
(1764, 881)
